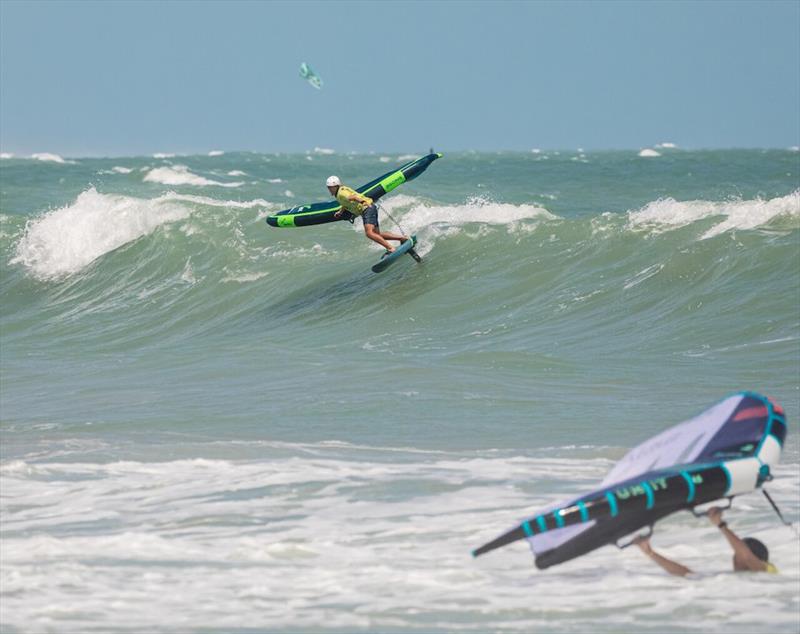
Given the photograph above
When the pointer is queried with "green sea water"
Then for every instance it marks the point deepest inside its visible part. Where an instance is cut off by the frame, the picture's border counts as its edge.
(210, 424)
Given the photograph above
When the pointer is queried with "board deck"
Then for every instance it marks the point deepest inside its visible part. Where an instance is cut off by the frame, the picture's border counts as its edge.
(387, 260)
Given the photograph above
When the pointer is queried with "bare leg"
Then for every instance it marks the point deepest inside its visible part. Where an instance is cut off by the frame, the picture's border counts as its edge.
(386, 235)
(381, 237)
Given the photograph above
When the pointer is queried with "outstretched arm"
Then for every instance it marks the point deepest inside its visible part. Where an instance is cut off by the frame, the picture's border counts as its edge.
(672, 567)
(740, 549)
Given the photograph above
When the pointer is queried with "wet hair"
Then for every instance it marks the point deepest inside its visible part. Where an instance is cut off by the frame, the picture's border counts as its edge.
(757, 548)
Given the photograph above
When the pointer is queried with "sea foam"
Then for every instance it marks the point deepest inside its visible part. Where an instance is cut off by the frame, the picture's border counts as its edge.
(417, 517)
(473, 210)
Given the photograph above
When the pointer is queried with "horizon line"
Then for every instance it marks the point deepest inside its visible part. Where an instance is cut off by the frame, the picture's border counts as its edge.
(319, 151)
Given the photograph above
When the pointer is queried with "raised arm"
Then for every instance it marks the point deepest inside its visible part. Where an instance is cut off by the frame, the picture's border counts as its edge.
(743, 554)
(672, 567)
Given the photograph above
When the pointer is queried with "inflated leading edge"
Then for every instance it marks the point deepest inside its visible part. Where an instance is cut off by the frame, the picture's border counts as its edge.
(726, 451)
(319, 213)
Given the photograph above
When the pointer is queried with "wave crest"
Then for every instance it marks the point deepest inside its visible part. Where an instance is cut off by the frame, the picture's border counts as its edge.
(666, 214)
(68, 239)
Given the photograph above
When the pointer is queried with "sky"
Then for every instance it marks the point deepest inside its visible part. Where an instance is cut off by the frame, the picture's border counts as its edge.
(126, 78)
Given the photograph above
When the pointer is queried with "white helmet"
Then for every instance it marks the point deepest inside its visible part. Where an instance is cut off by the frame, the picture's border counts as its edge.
(333, 181)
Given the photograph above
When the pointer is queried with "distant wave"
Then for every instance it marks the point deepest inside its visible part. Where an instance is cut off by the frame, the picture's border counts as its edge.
(44, 157)
(180, 175)
(117, 170)
(213, 202)
(47, 157)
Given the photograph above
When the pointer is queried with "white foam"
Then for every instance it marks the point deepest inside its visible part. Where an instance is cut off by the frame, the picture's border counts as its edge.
(188, 273)
(213, 202)
(116, 170)
(302, 252)
(289, 193)
(385, 159)
(64, 241)
(647, 152)
(47, 157)
(243, 278)
(430, 222)
(324, 151)
(216, 153)
(667, 145)
(180, 175)
(405, 158)
(667, 213)
(795, 148)
(163, 155)
(474, 210)
(643, 275)
(311, 541)
(274, 180)
(237, 173)
(6, 155)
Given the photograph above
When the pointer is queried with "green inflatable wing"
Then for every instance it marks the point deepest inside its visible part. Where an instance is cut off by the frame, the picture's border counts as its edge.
(320, 213)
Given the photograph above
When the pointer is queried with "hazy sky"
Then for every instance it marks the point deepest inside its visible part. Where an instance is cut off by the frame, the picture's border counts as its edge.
(115, 78)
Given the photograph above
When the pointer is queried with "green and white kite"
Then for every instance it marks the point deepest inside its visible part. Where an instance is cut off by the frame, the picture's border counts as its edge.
(307, 73)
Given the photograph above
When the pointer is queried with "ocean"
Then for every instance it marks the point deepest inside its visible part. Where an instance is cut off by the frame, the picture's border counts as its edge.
(211, 425)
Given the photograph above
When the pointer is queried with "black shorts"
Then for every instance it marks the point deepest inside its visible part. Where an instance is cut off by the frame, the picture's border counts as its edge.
(370, 216)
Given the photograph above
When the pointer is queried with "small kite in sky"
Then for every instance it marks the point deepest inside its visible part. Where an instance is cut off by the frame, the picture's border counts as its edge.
(306, 72)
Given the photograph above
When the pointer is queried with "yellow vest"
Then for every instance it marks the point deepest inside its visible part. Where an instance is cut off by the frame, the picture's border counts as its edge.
(356, 208)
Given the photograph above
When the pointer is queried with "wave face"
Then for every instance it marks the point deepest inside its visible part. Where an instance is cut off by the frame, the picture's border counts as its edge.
(539, 275)
(185, 384)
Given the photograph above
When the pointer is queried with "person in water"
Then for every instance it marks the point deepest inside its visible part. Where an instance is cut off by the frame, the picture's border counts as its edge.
(749, 554)
(360, 205)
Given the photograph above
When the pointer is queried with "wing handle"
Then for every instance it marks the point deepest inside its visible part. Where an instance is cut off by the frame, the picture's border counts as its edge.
(697, 513)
